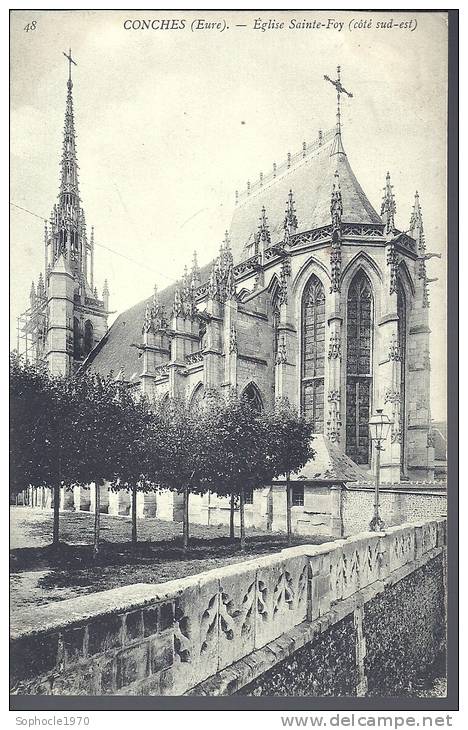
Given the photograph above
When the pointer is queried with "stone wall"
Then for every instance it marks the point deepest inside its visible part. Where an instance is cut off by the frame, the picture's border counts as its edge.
(377, 650)
(217, 632)
(327, 510)
(396, 506)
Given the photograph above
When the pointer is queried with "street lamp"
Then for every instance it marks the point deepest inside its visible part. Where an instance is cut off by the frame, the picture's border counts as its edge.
(379, 425)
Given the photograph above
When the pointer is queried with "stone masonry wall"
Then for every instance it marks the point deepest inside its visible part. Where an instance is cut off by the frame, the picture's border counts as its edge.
(377, 650)
(395, 507)
(414, 627)
(324, 667)
(217, 632)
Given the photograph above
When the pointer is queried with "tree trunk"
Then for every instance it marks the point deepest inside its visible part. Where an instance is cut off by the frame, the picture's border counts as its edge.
(55, 539)
(242, 524)
(186, 519)
(134, 514)
(288, 508)
(231, 517)
(97, 517)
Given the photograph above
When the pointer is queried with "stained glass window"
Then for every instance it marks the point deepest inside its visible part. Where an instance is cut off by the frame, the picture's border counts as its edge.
(252, 396)
(275, 307)
(359, 368)
(88, 337)
(313, 353)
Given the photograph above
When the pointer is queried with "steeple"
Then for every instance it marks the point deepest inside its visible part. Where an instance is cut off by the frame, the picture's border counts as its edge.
(388, 209)
(69, 197)
(68, 226)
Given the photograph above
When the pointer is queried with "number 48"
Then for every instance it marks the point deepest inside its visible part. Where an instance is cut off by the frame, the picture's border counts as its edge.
(30, 26)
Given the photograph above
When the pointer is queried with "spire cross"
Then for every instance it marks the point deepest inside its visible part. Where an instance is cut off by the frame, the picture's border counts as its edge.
(339, 90)
(70, 61)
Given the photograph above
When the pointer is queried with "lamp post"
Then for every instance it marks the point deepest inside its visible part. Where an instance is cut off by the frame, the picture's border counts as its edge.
(379, 425)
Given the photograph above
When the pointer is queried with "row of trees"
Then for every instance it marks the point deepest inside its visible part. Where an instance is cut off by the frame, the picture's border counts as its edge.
(90, 430)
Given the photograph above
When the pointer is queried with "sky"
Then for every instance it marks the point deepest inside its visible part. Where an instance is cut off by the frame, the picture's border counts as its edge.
(170, 123)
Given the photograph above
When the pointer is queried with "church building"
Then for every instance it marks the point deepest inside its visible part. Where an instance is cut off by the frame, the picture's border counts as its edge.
(314, 295)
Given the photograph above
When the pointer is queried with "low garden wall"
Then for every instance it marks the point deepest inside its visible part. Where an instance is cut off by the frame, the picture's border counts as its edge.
(221, 631)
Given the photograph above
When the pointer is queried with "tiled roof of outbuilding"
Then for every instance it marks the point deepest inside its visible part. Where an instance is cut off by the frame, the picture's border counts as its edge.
(329, 464)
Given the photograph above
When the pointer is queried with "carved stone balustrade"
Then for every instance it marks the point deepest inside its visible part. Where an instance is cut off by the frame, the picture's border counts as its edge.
(169, 638)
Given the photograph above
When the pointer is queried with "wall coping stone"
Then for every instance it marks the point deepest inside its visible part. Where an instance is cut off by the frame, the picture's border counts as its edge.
(243, 672)
(191, 628)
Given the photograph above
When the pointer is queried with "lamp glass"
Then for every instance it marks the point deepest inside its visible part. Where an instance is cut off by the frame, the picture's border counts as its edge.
(379, 426)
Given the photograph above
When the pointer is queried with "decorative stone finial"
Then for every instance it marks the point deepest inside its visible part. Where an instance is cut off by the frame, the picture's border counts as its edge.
(388, 209)
(290, 219)
(195, 272)
(40, 287)
(177, 304)
(148, 320)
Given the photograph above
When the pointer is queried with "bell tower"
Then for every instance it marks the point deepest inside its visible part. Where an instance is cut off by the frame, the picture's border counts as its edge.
(73, 317)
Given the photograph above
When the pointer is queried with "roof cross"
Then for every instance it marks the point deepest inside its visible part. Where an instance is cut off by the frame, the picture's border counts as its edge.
(70, 61)
(339, 90)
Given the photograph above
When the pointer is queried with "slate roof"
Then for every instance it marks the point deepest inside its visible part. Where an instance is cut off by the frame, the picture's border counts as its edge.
(311, 180)
(329, 464)
(115, 351)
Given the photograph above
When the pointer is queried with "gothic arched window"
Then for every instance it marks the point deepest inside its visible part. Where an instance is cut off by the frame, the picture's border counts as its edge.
(401, 311)
(275, 313)
(313, 353)
(252, 395)
(197, 396)
(359, 368)
(88, 337)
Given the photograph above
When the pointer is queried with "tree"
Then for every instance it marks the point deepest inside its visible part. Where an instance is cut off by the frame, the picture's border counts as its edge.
(181, 463)
(102, 415)
(240, 459)
(289, 446)
(42, 449)
(137, 458)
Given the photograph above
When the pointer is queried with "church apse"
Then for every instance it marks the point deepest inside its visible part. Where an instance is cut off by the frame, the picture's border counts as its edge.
(303, 300)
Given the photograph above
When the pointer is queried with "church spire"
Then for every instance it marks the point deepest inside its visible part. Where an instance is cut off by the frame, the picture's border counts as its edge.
(69, 193)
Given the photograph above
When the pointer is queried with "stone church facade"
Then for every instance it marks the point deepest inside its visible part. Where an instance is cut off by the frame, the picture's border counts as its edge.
(314, 296)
